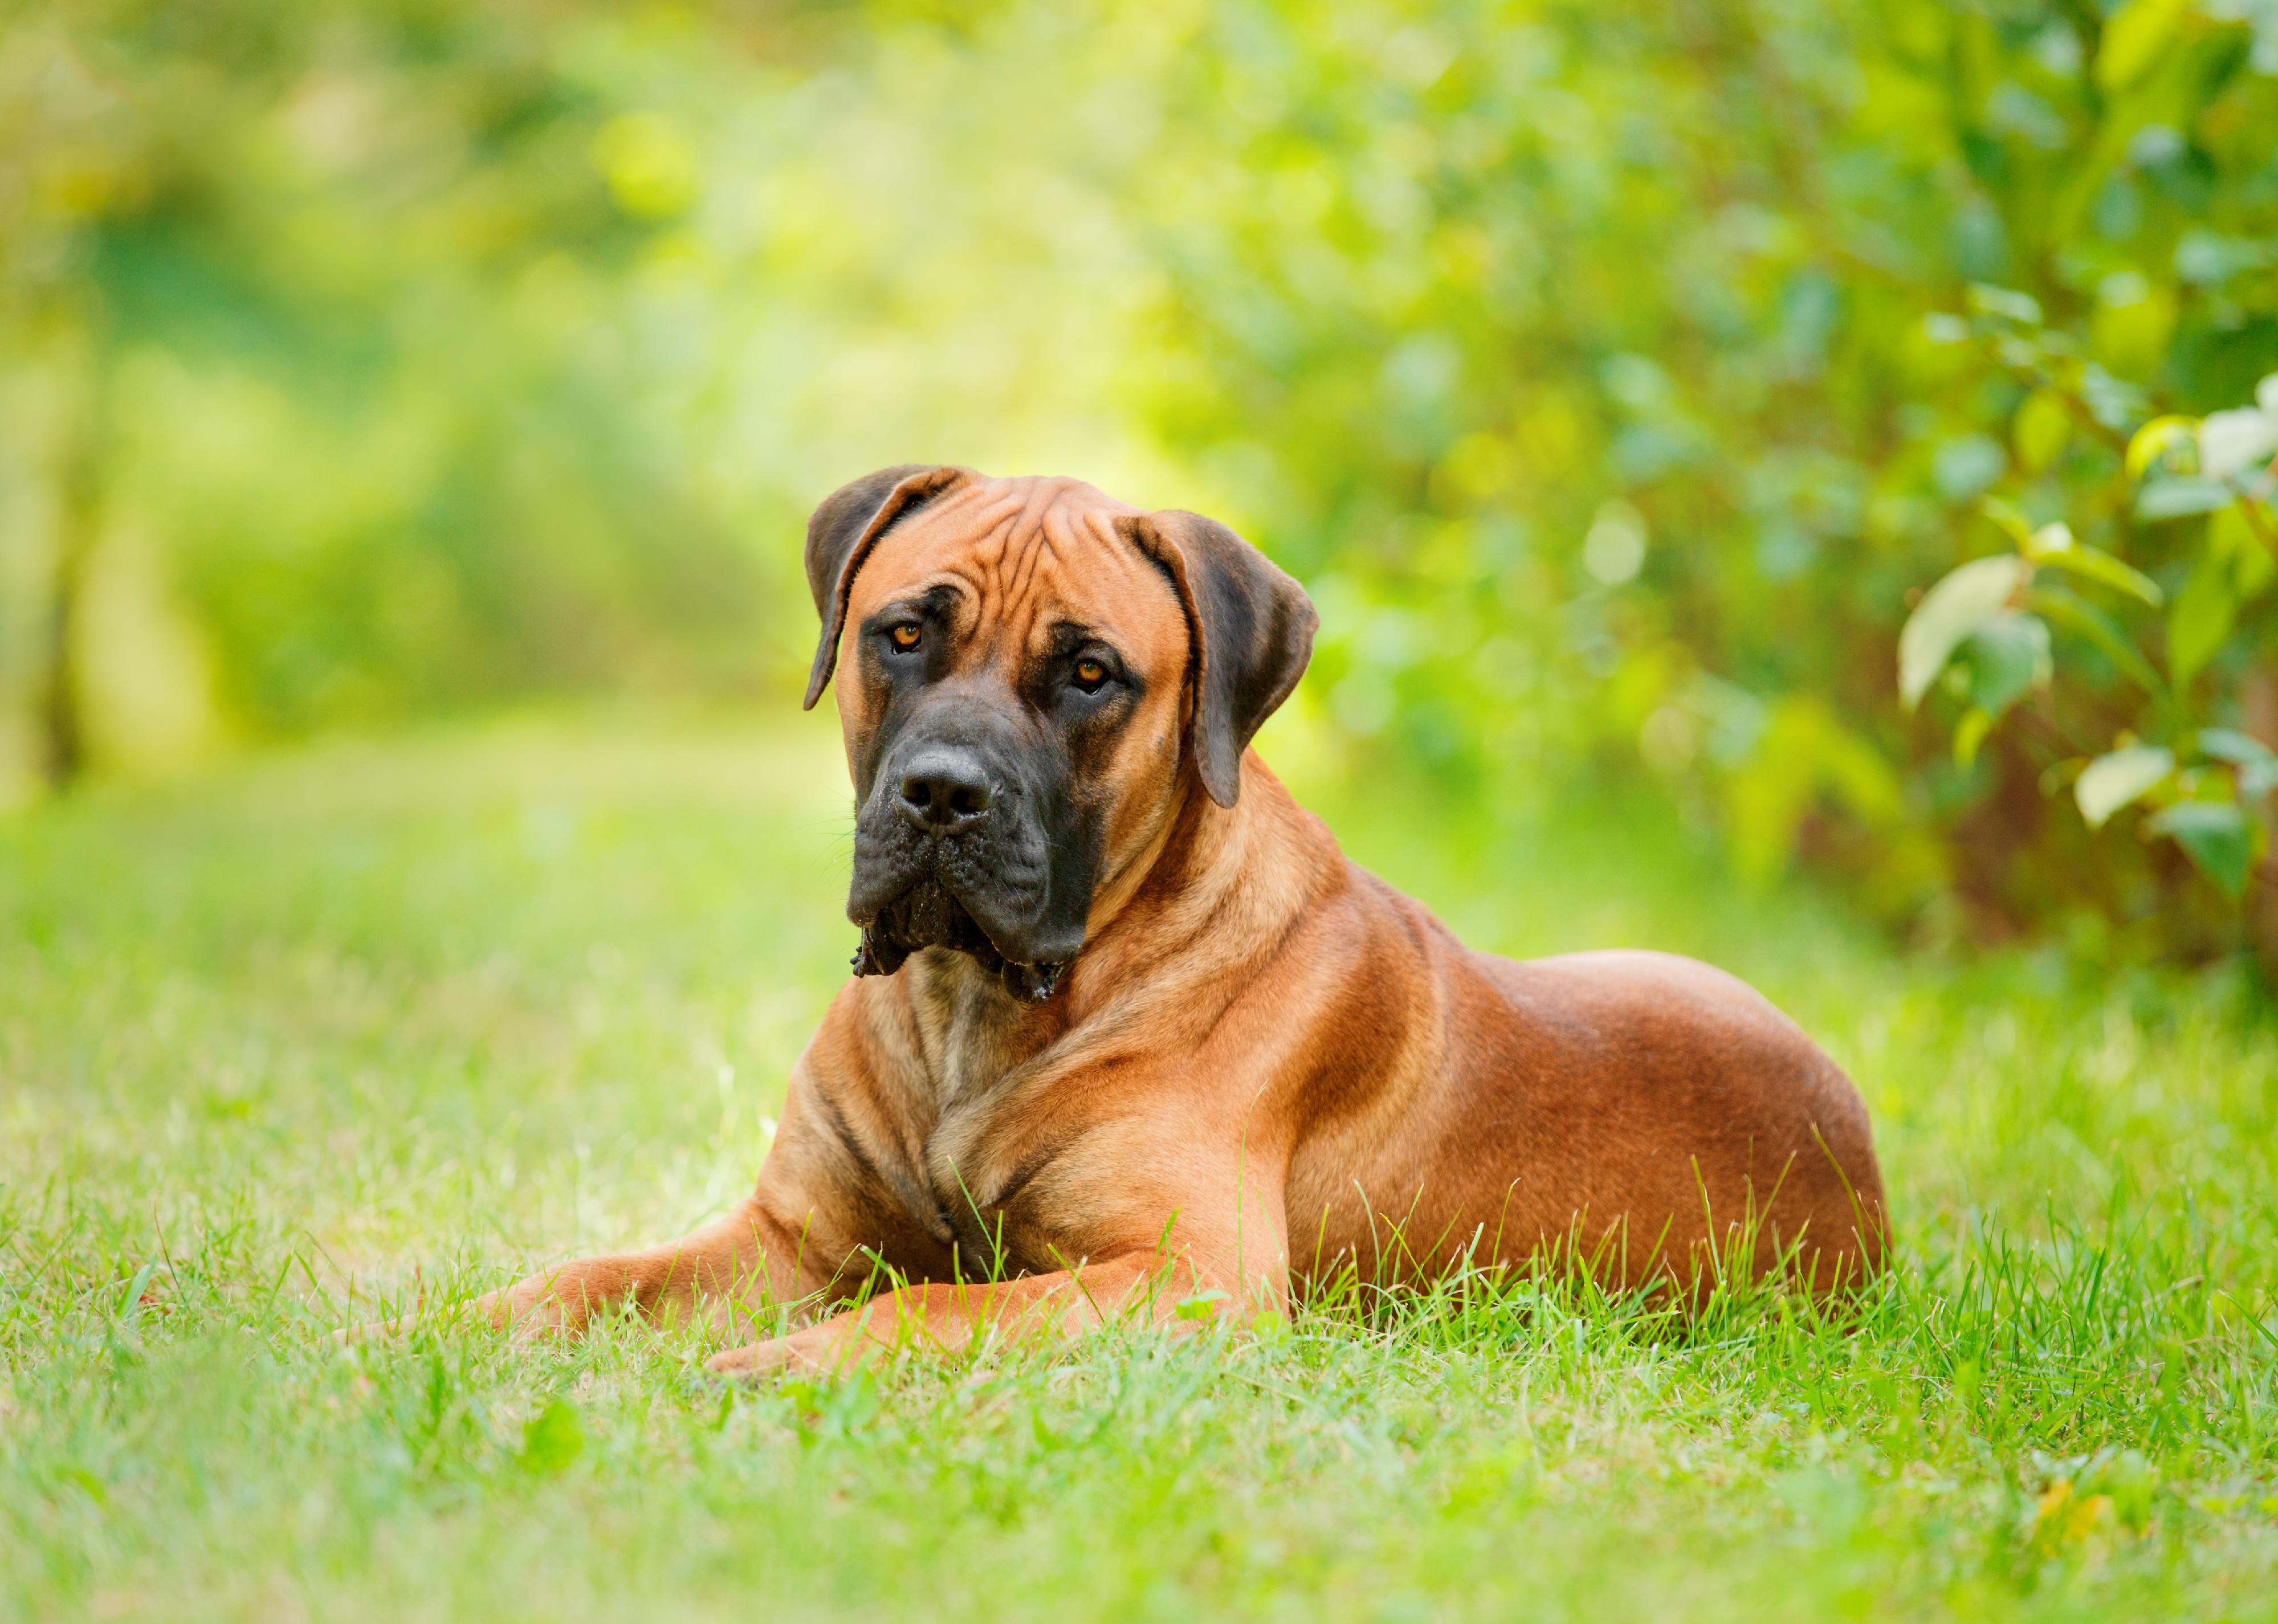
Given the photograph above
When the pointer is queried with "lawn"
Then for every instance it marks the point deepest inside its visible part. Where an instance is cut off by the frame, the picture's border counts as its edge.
(416, 1015)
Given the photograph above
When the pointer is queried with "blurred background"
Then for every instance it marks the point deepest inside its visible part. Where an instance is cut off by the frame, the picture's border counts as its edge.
(1618, 378)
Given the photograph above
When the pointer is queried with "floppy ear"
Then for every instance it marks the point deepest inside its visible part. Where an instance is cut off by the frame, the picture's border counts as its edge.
(1252, 627)
(840, 535)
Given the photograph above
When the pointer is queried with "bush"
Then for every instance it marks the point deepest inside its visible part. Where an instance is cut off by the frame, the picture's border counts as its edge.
(1624, 375)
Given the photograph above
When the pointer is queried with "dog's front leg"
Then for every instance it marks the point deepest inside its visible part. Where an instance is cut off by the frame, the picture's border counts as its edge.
(948, 1318)
(1142, 1286)
(730, 1269)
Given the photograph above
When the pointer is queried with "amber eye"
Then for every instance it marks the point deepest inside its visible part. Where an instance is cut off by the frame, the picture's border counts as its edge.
(906, 634)
(1090, 673)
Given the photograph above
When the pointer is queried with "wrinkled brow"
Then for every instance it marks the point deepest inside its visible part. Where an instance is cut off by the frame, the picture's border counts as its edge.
(947, 597)
(1066, 636)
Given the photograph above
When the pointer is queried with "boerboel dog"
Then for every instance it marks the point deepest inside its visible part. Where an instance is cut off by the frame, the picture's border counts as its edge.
(1130, 1036)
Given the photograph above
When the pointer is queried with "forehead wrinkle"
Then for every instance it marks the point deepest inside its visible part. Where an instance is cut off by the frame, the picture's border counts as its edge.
(1024, 559)
(1030, 543)
(1061, 539)
(998, 601)
(971, 564)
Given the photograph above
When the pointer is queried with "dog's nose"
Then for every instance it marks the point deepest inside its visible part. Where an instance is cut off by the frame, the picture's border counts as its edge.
(943, 790)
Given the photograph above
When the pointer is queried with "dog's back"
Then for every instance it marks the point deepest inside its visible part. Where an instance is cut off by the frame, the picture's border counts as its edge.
(1638, 1111)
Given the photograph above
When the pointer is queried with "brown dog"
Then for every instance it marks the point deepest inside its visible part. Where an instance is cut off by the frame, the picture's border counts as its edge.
(1130, 1034)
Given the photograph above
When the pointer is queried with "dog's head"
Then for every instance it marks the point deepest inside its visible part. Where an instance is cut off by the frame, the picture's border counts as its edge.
(1029, 672)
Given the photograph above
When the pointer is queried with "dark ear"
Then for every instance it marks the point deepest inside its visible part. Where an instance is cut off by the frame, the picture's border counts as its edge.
(840, 535)
(1253, 632)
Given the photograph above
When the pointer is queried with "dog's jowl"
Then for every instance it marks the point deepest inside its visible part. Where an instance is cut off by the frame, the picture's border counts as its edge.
(1127, 1032)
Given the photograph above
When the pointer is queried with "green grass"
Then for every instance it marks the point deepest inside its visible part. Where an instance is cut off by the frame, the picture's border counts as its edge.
(425, 1014)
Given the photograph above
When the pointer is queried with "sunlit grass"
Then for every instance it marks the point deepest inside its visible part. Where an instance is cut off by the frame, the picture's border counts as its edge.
(413, 1016)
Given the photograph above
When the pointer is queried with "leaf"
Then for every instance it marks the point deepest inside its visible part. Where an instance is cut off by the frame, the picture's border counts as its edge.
(2218, 838)
(1949, 612)
(2094, 626)
(2135, 38)
(2178, 498)
(554, 1439)
(2008, 655)
(130, 1311)
(1984, 299)
(2200, 622)
(2229, 744)
(2230, 535)
(2053, 545)
(2043, 425)
(1969, 733)
(2113, 402)
(1201, 1306)
(2133, 322)
(2232, 444)
(2111, 782)
(1967, 464)
(2155, 439)
(2009, 521)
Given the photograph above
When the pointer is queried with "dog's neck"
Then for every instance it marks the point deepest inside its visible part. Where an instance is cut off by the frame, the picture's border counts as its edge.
(1188, 805)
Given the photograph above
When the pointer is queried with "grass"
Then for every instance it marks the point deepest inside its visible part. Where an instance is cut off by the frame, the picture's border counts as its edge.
(466, 1003)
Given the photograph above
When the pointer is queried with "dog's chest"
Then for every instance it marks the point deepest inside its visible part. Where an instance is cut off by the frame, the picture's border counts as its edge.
(986, 1197)
(981, 1155)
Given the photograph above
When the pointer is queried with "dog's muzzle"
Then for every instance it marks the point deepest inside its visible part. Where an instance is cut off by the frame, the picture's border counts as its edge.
(948, 854)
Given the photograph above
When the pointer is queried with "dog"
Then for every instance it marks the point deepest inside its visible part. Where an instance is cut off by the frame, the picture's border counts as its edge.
(1128, 1036)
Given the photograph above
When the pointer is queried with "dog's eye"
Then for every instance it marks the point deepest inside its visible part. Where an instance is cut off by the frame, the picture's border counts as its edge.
(1090, 673)
(907, 635)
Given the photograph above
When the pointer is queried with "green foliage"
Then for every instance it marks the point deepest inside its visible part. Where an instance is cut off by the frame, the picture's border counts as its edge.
(412, 1018)
(2225, 467)
(1612, 376)
(1799, 291)
(328, 301)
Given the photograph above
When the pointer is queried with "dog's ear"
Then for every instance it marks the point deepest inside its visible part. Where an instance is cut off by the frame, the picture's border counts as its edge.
(840, 535)
(1252, 627)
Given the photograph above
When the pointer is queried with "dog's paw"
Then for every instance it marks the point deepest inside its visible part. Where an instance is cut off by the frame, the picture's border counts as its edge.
(538, 1306)
(526, 1309)
(817, 1350)
(757, 1360)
